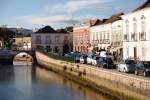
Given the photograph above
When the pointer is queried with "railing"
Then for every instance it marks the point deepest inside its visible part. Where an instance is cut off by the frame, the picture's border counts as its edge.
(126, 37)
(133, 37)
(143, 36)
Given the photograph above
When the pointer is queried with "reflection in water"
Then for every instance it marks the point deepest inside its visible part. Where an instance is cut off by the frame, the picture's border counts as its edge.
(22, 82)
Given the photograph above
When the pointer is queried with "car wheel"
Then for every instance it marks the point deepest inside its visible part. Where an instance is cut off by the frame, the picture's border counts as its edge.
(145, 74)
(124, 70)
(118, 69)
(136, 72)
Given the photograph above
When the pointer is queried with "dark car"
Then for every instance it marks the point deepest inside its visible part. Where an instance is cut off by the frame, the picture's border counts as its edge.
(83, 59)
(73, 56)
(105, 62)
(143, 68)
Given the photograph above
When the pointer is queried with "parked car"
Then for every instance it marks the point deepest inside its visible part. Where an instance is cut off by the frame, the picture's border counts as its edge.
(95, 60)
(83, 59)
(106, 54)
(105, 62)
(126, 65)
(77, 57)
(73, 56)
(143, 68)
(90, 58)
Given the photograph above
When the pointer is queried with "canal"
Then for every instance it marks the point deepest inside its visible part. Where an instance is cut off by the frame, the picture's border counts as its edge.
(24, 82)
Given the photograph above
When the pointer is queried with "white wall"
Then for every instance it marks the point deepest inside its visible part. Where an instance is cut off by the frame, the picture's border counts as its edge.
(97, 31)
(143, 47)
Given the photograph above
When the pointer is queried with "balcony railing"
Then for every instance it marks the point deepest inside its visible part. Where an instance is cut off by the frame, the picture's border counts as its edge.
(133, 37)
(126, 37)
(143, 36)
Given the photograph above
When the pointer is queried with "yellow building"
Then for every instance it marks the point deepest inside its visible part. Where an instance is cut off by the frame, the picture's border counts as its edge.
(22, 43)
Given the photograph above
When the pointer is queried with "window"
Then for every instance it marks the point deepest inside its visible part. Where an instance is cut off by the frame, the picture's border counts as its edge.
(104, 36)
(143, 52)
(38, 39)
(127, 27)
(134, 25)
(56, 38)
(96, 35)
(48, 40)
(127, 51)
(143, 24)
(143, 28)
(108, 36)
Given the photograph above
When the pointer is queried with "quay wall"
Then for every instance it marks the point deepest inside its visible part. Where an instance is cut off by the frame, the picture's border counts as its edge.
(125, 87)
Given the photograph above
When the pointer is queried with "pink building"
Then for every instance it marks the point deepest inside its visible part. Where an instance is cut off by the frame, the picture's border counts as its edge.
(81, 36)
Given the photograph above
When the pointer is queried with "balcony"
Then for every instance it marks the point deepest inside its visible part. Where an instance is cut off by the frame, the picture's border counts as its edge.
(133, 37)
(143, 36)
(126, 37)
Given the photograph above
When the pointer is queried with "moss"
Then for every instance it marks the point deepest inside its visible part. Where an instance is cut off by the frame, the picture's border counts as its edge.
(104, 91)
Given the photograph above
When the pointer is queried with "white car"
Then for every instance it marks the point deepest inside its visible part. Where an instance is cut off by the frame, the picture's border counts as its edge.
(89, 59)
(94, 60)
(126, 66)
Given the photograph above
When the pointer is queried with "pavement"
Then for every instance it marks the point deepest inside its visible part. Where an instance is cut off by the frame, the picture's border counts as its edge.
(116, 72)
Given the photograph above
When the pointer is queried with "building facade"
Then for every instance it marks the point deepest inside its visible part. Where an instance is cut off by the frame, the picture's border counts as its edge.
(81, 36)
(52, 41)
(22, 43)
(101, 35)
(136, 30)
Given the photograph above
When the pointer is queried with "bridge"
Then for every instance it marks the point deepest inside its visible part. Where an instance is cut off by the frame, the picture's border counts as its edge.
(7, 57)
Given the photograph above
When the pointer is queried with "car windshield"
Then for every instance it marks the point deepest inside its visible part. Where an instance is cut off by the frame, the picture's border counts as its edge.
(129, 62)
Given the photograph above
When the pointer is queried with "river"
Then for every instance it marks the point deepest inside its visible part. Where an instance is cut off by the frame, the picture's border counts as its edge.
(24, 82)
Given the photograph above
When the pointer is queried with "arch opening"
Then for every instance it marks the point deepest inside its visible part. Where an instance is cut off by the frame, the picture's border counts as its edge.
(23, 58)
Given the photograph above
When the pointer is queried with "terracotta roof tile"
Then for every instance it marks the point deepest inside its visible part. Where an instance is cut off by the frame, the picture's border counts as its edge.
(113, 18)
(144, 5)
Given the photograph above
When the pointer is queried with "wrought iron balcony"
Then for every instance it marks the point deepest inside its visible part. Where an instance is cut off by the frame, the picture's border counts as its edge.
(133, 37)
(143, 36)
(126, 37)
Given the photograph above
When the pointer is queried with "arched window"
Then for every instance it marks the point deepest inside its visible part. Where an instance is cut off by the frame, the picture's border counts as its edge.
(143, 24)
(134, 25)
(127, 27)
(143, 28)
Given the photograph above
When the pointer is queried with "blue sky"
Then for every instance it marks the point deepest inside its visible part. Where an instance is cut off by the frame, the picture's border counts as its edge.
(59, 13)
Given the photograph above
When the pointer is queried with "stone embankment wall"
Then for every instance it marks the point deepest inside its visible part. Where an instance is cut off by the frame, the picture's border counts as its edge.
(124, 84)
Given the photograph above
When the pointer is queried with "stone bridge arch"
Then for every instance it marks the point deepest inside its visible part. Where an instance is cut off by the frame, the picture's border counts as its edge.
(30, 53)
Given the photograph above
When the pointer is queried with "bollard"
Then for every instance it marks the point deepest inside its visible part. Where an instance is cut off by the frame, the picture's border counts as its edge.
(80, 73)
(84, 72)
(64, 67)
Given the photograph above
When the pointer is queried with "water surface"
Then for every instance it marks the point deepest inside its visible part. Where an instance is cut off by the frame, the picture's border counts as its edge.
(22, 82)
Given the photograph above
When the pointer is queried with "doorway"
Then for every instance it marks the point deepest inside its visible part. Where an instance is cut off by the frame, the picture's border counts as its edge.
(135, 52)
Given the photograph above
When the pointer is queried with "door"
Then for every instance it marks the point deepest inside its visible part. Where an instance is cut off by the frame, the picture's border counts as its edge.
(135, 52)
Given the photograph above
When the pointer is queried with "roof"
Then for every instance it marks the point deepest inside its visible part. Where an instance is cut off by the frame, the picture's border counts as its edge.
(61, 31)
(113, 18)
(95, 22)
(69, 29)
(46, 29)
(144, 5)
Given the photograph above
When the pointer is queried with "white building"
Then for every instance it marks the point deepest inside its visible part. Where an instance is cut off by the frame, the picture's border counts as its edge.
(136, 30)
(101, 34)
(47, 38)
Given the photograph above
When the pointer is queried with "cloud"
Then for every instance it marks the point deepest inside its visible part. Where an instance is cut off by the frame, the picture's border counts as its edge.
(73, 6)
(52, 20)
(58, 12)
